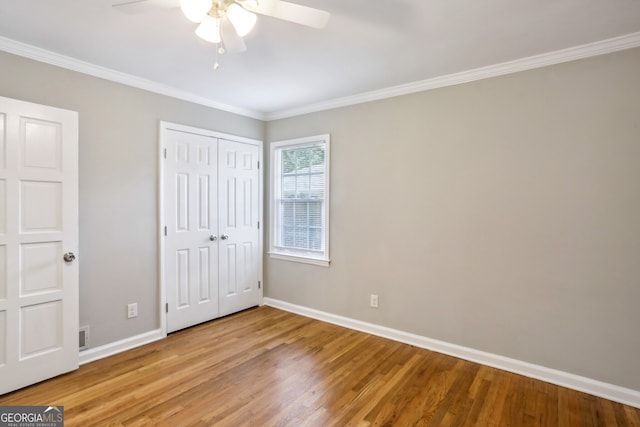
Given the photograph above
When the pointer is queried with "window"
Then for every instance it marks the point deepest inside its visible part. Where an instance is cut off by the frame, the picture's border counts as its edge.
(300, 200)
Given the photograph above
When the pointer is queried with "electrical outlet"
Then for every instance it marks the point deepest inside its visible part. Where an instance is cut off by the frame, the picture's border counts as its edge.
(373, 300)
(132, 310)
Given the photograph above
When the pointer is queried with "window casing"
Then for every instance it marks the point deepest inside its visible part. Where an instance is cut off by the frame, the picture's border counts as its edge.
(300, 200)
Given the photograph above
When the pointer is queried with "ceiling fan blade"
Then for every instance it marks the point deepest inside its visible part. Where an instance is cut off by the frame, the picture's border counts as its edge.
(291, 12)
(144, 6)
(230, 39)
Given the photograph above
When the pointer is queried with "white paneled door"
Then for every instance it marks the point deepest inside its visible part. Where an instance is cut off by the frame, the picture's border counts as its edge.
(239, 234)
(190, 188)
(38, 243)
(211, 206)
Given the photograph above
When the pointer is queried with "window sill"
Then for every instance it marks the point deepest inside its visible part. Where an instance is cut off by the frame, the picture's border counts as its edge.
(299, 258)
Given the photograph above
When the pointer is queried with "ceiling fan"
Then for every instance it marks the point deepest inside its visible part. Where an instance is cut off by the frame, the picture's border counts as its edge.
(225, 22)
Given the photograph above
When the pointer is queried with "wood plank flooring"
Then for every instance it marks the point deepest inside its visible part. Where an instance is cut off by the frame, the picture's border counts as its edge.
(266, 367)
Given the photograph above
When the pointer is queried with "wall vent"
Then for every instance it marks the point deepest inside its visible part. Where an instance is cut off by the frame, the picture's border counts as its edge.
(84, 338)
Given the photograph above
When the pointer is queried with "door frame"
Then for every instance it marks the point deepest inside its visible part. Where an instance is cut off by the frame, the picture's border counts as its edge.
(164, 127)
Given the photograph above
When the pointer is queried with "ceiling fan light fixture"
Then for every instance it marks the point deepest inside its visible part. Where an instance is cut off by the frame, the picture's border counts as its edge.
(209, 29)
(195, 10)
(242, 20)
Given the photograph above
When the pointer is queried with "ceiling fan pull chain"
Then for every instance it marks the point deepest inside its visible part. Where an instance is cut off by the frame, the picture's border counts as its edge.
(216, 65)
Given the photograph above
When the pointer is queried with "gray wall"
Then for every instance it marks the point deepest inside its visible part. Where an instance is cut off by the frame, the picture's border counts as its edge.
(502, 215)
(118, 184)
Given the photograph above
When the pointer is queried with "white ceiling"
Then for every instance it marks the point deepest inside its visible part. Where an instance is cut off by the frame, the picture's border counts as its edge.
(367, 46)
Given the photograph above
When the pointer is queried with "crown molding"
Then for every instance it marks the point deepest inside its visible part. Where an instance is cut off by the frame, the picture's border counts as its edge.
(69, 63)
(565, 55)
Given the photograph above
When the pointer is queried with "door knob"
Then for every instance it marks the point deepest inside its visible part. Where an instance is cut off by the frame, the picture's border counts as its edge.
(213, 238)
(224, 236)
(68, 257)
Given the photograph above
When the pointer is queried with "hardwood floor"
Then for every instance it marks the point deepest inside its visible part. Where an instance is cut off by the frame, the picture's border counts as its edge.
(266, 367)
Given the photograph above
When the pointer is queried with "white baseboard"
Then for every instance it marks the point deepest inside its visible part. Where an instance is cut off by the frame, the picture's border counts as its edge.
(120, 346)
(587, 385)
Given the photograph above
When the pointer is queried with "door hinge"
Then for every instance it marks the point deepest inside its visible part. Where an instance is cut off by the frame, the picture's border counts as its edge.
(258, 225)
(258, 164)
(165, 153)
(165, 230)
(166, 307)
(259, 284)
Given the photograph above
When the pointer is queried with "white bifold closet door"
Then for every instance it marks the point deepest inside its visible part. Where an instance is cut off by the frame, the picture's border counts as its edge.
(38, 243)
(212, 253)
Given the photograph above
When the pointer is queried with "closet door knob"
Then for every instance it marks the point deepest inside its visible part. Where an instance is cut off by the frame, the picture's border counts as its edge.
(213, 238)
(224, 236)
